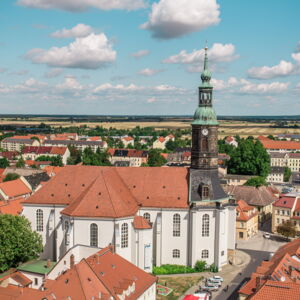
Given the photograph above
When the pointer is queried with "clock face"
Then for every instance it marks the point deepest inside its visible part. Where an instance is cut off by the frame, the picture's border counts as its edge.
(204, 131)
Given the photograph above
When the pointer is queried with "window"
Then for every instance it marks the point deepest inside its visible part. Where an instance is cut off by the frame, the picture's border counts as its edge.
(205, 192)
(176, 225)
(147, 217)
(204, 254)
(176, 253)
(205, 225)
(94, 235)
(222, 253)
(36, 281)
(39, 220)
(124, 235)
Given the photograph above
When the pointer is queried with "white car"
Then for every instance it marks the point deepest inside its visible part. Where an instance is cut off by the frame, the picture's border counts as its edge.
(267, 235)
(216, 277)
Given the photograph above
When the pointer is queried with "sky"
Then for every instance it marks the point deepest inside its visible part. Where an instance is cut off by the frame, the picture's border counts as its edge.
(144, 57)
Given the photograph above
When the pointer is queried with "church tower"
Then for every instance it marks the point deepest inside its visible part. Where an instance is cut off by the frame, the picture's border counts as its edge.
(204, 180)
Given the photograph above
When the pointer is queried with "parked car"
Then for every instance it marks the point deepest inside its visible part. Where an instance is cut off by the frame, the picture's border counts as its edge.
(267, 235)
(203, 295)
(210, 288)
(218, 278)
(211, 281)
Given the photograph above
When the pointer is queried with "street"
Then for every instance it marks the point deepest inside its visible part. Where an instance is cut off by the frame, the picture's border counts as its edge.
(259, 249)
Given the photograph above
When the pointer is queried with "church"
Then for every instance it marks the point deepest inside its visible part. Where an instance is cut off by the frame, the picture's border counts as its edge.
(151, 216)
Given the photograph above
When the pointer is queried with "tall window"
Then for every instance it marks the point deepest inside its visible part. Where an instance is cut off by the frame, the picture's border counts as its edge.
(124, 235)
(205, 225)
(204, 254)
(176, 253)
(39, 220)
(176, 225)
(94, 235)
(147, 217)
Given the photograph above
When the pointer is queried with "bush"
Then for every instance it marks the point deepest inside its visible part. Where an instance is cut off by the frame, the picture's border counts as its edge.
(11, 176)
(200, 266)
(213, 268)
(172, 269)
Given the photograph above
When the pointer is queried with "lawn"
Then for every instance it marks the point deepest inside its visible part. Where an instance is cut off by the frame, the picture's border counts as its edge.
(179, 284)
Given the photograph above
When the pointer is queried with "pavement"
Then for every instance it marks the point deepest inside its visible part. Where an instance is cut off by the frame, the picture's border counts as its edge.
(249, 255)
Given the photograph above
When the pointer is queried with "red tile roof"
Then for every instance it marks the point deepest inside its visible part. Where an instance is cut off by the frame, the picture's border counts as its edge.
(14, 188)
(161, 139)
(9, 154)
(127, 138)
(229, 139)
(141, 223)
(116, 191)
(277, 291)
(289, 145)
(58, 150)
(285, 202)
(18, 277)
(297, 206)
(12, 207)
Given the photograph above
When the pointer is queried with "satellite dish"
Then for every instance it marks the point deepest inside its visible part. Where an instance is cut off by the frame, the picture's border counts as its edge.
(282, 278)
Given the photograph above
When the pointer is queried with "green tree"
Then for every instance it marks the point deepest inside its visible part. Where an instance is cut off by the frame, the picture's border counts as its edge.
(55, 160)
(11, 176)
(256, 181)
(287, 174)
(155, 159)
(98, 158)
(75, 156)
(287, 229)
(249, 158)
(20, 163)
(18, 243)
(4, 163)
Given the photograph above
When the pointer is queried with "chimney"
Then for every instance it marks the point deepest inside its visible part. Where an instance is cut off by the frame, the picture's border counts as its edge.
(257, 283)
(48, 263)
(72, 263)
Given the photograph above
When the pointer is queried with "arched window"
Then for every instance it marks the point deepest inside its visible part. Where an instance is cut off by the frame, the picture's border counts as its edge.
(39, 220)
(94, 235)
(176, 253)
(147, 217)
(176, 225)
(205, 225)
(204, 254)
(204, 144)
(67, 235)
(124, 235)
(205, 192)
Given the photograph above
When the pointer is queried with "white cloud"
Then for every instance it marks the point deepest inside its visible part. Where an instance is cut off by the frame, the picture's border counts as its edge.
(118, 87)
(30, 85)
(90, 52)
(171, 19)
(82, 5)
(167, 88)
(284, 68)
(80, 30)
(4, 89)
(140, 53)
(262, 88)
(70, 83)
(3, 70)
(218, 53)
(149, 72)
(151, 100)
(55, 72)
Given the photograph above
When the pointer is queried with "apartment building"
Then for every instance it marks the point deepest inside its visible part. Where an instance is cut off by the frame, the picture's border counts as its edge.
(291, 160)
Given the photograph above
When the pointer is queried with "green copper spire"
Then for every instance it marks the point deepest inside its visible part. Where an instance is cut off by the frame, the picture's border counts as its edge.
(205, 113)
(206, 74)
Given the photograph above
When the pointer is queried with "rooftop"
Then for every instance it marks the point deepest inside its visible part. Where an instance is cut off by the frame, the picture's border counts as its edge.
(37, 266)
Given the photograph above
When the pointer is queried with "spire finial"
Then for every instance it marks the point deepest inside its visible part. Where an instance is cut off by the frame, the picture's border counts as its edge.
(205, 57)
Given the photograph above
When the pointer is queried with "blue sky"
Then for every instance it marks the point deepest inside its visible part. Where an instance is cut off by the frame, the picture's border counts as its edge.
(145, 57)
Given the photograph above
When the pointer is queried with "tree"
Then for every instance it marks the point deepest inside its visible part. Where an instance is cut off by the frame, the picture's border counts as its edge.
(18, 243)
(249, 158)
(155, 159)
(100, 158)
(287, 229)
(11, 176)
(4, 163)
(75, 156)
(20, 163)
(256, 181)
(55, 160)
(287, 174)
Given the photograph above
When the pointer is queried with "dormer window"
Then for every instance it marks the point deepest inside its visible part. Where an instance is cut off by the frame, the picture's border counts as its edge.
(205, 192)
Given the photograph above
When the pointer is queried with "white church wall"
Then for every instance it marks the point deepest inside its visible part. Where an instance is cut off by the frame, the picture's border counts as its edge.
(231, 229)
(144, 255)
(169, 242)
(200, 242)
(51, 221)
(149, 294)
